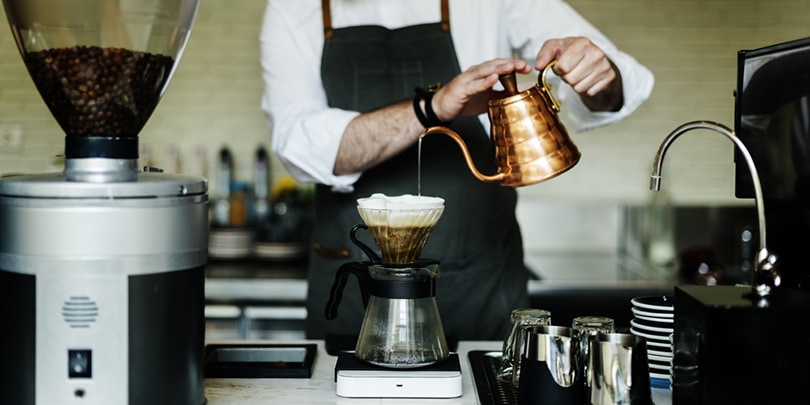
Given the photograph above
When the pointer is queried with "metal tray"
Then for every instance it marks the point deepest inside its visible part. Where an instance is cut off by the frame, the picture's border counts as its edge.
(259, 360)
(490, 390)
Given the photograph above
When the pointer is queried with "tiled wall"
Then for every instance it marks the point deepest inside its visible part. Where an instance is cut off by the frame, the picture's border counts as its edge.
(690, 45)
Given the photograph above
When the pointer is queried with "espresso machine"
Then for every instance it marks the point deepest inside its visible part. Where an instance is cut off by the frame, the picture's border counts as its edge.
(741, 343)
(401, 350)
(102, 264)
(746, 343)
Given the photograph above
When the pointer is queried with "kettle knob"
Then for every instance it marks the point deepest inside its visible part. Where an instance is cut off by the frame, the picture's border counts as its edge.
(509, 82)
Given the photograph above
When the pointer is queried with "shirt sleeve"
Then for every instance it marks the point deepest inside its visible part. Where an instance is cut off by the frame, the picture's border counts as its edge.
(305, 132)
(558, 20)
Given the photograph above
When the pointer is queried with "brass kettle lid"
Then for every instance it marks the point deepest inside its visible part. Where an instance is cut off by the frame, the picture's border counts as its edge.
(511, 94)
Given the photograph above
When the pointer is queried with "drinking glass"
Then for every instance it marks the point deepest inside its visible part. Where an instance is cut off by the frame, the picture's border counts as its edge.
(586, 328)
(522, 319)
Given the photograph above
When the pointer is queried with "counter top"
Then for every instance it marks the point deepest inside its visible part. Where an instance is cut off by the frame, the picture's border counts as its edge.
(576, 284)
(320, 388)
(255, 280)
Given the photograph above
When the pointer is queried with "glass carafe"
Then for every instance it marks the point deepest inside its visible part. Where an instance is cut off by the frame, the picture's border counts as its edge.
(401, 327)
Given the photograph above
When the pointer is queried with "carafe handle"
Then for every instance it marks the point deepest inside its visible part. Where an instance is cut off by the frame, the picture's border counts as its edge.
(341, 278)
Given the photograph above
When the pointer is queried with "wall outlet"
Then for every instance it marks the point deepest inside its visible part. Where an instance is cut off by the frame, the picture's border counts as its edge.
(10, 138)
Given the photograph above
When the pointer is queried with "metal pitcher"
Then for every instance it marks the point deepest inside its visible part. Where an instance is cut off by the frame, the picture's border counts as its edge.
(531, 144)
(551, 368)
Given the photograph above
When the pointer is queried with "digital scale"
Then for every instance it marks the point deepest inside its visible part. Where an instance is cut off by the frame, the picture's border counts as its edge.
(357, 379)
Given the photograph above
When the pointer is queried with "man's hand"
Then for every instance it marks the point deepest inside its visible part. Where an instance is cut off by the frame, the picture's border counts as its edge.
(585, 67)
(468, 93)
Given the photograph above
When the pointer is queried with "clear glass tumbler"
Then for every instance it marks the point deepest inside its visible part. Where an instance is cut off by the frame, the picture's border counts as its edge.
(586, 328)
(522, 319)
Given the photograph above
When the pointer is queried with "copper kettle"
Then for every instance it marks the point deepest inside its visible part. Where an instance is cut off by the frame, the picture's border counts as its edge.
(531, 144)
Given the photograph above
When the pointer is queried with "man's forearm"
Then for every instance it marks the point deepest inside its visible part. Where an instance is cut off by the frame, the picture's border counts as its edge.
(373, 137)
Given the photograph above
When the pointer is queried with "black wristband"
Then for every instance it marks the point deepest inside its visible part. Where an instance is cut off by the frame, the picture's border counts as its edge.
(427, 118)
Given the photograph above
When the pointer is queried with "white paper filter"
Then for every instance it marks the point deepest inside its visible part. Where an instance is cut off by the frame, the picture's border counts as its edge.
(399, 211)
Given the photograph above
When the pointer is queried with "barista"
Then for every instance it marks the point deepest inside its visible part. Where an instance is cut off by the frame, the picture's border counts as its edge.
(340, 79)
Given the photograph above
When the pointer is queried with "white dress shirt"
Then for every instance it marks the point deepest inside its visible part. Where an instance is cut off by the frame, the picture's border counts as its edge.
(306, 132)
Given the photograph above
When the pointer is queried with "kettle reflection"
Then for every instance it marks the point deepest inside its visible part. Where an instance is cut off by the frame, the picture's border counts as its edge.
(531, 144)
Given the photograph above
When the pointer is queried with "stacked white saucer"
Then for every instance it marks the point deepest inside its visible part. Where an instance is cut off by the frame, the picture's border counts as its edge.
(653, 319)
(231, 243)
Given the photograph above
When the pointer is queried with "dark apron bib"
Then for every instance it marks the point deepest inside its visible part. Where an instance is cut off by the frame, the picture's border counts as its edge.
(476, 240)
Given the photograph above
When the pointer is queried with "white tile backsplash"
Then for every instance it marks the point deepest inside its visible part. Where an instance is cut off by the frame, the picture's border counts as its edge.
(561, 226)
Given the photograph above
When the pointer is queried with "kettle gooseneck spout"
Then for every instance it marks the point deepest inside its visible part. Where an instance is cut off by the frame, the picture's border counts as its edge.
(467, 157)
(765, 276)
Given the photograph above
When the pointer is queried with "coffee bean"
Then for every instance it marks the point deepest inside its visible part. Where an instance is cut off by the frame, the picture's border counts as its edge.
(99, 92)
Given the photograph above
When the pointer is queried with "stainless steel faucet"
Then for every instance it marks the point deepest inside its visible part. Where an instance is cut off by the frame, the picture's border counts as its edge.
(765, 275)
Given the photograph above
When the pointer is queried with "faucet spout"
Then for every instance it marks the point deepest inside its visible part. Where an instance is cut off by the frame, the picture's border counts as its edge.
(765, 276)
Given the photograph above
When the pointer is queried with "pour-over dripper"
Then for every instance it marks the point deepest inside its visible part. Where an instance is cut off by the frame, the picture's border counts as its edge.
(400, 225)
(402, 327)
(101, 67)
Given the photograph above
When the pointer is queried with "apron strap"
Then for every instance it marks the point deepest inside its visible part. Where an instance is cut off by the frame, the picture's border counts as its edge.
(445, 22)
(326, 13)
(329, 31)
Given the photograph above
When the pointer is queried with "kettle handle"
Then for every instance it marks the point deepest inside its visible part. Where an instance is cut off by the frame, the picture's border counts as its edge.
(546, 88)
(456, 137)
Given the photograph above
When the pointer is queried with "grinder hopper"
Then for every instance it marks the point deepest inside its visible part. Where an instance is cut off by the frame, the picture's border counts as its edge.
(102, 266)
(101, 66)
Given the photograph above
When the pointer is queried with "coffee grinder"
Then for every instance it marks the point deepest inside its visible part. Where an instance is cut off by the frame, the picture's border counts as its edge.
(401, 350)
(102, 264)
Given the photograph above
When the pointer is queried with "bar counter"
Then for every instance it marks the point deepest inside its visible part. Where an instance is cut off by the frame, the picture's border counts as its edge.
(320, 388)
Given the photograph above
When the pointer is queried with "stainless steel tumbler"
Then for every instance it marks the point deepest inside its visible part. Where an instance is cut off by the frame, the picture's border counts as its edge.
(619, 370)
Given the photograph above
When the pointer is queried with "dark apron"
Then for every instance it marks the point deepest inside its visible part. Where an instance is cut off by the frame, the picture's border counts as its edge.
(477, 239)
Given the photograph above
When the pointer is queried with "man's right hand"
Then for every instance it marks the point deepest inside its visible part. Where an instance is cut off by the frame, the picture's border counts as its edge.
(468, 93)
